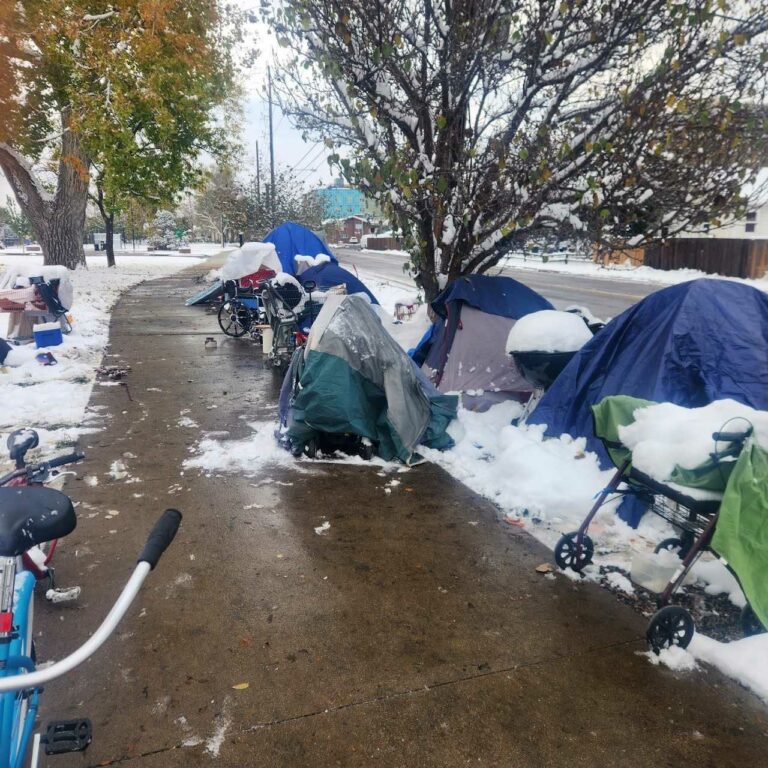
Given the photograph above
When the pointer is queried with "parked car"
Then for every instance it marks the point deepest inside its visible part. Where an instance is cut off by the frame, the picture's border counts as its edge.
(353, 241)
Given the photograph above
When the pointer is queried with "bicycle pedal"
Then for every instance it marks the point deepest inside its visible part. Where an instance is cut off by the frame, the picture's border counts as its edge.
(63, 736)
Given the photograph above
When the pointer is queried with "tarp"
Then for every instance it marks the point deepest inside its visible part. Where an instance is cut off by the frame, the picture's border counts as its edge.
(741, 533)
(465, 350)
(293, 240)
(252, 257)
(330, 275)
(494, 295)
(5, 348)
(688, 344)
(208, 294)
(357, 380)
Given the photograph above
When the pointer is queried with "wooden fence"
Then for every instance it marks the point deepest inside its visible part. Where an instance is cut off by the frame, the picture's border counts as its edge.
(735, 258)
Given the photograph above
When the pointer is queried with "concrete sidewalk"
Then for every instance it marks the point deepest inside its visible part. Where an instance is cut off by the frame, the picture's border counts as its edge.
(415, 632)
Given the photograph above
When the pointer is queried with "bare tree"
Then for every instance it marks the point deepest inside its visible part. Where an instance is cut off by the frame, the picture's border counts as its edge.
(478, 122)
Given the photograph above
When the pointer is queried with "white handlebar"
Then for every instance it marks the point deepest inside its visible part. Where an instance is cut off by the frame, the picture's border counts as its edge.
(108, 626)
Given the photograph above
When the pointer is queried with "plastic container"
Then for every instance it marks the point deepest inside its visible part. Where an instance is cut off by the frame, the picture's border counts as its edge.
(653, 571)
(47, 334)
(267, 337)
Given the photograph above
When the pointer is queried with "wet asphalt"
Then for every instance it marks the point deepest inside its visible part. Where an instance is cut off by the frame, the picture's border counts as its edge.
(415, 632)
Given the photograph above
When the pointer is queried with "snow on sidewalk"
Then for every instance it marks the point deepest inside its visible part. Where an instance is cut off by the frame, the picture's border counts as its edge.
(53, 399)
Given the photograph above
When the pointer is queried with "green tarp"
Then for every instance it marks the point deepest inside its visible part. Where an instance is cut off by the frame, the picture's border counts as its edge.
(741, 534)
(355, 379)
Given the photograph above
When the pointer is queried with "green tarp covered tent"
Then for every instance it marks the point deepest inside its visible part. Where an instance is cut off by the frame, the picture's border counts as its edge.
(353, 378)
(741, 531)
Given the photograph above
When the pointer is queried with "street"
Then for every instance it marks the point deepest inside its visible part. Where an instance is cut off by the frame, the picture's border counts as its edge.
(605, 297)
(414, 632)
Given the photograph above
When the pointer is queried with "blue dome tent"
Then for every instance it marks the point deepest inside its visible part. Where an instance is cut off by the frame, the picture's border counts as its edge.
(464, 351)
(291, 240)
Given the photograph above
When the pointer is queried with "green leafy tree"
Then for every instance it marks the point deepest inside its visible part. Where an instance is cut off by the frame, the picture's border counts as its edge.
(477, 123)
(14, 218)
(129, 86)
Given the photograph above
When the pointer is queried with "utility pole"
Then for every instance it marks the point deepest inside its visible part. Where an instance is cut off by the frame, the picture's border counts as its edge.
(258, 177)
(271, 152)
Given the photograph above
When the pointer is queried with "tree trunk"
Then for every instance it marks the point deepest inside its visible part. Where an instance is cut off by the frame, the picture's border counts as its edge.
(109, 224)
(58, 220)
(109, 221)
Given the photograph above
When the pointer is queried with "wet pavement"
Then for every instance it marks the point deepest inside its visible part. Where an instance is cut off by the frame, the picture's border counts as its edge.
(414, 632)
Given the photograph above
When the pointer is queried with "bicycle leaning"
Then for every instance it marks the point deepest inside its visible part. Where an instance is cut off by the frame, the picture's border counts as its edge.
(31, 516)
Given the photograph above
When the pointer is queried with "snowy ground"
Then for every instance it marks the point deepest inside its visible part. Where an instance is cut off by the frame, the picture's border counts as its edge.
(53, 399)
(543, 485)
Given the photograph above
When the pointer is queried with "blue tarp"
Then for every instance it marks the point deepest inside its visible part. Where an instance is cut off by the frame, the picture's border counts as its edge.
(688, 344)
(495, 295)
(291, 240)
(330, 274)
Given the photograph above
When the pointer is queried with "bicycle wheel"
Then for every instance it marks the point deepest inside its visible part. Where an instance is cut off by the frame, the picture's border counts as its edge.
(234, 319)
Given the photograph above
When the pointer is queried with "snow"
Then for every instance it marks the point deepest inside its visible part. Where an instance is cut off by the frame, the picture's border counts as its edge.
(548, 331)
(249, 259)
(624, 272)
(666, 435)
(743, 660)
(303, 263)
(53, 399)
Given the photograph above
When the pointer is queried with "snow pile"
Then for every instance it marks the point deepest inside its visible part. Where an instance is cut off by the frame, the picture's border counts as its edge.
(744, 660)
(666, 435)
(552, 481)
(52, 399)
(548, 331)
(249, 259)
(303, 263)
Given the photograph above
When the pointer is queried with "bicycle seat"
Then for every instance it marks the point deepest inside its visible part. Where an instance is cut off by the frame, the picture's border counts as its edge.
(20, 441)
(33, 515)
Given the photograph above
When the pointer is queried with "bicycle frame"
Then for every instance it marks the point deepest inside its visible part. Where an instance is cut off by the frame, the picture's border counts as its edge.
(18, 709)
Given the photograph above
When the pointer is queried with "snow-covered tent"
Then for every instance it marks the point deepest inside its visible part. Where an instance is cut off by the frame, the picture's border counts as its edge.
(292, 240)
(464, 350)
(689, 344)
(329, 275)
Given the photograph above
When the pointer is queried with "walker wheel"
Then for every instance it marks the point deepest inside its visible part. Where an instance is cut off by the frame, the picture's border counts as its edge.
(566, 555)
(750, 624)
(672, 625)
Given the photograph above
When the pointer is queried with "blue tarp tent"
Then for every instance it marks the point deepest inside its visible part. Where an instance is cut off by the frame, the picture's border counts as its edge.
(464, 351)
(291, 240)
(688, 344)
(330, 274)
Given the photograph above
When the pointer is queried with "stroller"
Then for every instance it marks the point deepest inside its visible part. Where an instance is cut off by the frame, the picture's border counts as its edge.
(694, 518)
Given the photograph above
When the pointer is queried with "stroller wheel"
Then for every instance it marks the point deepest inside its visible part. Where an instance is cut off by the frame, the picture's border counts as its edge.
(750, 624)
(672, 625)
(566, 555)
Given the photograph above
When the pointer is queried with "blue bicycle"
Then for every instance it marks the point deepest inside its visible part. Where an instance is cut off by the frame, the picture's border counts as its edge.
(28, 517)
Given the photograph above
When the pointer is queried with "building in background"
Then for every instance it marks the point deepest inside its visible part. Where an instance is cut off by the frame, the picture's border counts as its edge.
(340, 202)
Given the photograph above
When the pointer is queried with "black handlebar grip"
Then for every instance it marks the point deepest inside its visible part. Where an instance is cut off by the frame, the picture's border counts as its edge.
(160, 537)
(731, 437)
(70, 458)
